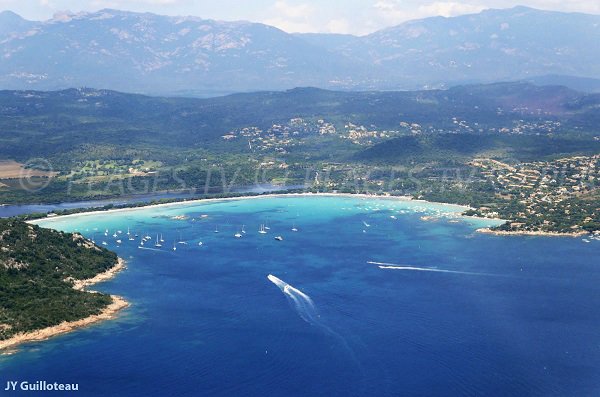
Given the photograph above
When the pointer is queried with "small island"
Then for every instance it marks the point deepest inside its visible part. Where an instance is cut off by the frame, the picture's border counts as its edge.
(43, 274)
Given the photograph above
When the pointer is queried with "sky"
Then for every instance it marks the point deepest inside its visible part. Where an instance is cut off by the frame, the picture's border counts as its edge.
(357, 17)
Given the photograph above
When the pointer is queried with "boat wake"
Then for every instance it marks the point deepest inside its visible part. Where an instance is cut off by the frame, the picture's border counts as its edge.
(301, 302)
(307, 311)
(392, 266)
(150, 249)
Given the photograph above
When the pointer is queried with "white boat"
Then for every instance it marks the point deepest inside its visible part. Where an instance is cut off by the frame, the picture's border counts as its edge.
(131, 238)
(106, 232)
(238, 235)
(115, 234)
(104, 243)
(118, 241)
(158, 244)
(279, 238)
(294, 228)
(128, 232)
(174, 247)
(161, 238)
(243, 229)
(262, 229)
(217, 229)
(200, 243)
(366, 224)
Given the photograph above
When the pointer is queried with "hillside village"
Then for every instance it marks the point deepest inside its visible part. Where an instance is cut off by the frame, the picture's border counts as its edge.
(558, 196)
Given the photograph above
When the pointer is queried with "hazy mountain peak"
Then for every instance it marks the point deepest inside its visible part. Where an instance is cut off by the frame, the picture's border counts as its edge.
(9, 16)
(151, 53)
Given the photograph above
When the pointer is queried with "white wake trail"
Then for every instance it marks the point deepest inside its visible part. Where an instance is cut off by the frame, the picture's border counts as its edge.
(393, 266)
(306, 309)
(302, 302)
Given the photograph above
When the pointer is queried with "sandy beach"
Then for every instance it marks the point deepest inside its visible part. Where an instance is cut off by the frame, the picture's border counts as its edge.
(109, 312)
(459, 208)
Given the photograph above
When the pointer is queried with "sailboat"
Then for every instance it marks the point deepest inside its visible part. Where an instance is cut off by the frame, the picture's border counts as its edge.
(294, 228)
(174, 247)
(161, 238)
(262, 229)
(158, 244)
(238, 234)
(115, 234)
(128, 232)
(217, 229)
(243, 229)
(266, 226)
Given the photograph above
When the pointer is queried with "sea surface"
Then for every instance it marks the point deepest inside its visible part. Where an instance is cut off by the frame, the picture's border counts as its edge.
(369, 297)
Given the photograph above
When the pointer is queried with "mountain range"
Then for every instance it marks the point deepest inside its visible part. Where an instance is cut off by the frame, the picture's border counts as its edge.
(153, 54)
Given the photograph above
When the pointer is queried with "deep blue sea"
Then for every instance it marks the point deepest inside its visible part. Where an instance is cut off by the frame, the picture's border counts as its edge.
(366, 298)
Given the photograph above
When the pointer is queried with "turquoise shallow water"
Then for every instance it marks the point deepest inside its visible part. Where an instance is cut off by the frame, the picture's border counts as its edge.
(497, 316)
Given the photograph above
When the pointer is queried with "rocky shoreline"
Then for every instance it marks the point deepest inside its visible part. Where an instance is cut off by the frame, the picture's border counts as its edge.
(109, 312)
(531, 233)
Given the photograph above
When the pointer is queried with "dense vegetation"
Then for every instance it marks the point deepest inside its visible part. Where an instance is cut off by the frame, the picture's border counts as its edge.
(104, 144)
(36, 265)
(73, 124)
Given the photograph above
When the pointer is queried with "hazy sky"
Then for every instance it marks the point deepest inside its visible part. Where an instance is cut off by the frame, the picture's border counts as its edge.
(338, 16)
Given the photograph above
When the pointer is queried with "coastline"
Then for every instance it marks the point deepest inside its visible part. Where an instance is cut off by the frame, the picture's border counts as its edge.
(460, 208)
(100, 277)
(487, 230)
(108, 313)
